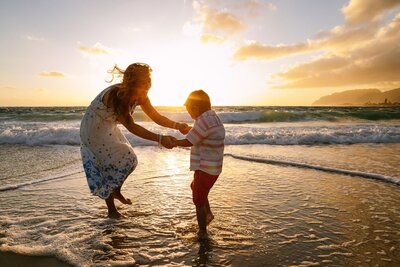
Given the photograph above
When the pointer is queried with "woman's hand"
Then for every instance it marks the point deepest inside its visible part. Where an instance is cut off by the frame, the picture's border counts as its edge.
(168, 141)
(183, 127)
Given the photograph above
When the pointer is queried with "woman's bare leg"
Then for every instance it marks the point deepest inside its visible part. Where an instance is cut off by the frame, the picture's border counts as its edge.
(112, 210)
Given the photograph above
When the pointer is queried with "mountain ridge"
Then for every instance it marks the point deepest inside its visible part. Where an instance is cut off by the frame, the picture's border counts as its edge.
(361, 97)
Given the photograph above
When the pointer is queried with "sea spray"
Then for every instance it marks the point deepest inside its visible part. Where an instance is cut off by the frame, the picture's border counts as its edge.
(67, 133)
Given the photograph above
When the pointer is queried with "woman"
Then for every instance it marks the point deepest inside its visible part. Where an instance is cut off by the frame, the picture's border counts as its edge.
(107, 156)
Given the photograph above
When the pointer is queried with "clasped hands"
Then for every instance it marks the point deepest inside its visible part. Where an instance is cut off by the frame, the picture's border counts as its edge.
(170, 142)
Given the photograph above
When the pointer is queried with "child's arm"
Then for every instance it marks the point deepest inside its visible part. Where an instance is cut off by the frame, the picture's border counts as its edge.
(183, 143)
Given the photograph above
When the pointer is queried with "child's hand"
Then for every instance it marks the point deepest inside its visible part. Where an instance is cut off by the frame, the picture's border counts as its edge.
(183, 128)
(168, 142)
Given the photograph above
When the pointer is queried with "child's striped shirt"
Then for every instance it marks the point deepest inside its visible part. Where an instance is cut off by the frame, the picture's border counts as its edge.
(207, 137)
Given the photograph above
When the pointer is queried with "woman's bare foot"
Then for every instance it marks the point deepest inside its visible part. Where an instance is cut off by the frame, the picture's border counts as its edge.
(210, 218)
(121, 198)
(202, 235)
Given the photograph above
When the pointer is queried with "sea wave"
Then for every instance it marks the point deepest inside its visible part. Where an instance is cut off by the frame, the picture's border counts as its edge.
(35, 134)
(227, 114)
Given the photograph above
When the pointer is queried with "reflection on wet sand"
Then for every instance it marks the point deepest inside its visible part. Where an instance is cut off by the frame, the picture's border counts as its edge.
(265, 215)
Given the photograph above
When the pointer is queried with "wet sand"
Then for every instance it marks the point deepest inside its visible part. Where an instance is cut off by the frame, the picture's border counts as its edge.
(265, 215)
(11, 259)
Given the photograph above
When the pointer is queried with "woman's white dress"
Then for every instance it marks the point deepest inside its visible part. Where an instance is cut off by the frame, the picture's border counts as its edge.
(107, 156)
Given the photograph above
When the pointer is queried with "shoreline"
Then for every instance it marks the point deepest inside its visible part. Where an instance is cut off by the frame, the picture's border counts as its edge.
(12, 259)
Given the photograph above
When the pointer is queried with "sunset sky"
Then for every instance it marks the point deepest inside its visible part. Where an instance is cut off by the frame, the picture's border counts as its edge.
(250, 52)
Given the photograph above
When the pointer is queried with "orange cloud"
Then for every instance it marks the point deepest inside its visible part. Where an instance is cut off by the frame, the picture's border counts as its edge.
(342, 38)
(374, 62)
(53, 74)
(362, 54)
(262, 51)
(338, 39)
(216, 25)
(220, 25)
(97, 49)
(360, 11)
(208, 38)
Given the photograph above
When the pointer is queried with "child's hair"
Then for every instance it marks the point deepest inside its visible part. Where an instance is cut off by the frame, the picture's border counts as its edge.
(199, 99)
(135, 74)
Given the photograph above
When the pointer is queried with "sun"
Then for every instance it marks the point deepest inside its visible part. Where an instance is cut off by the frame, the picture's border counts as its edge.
(189, 66)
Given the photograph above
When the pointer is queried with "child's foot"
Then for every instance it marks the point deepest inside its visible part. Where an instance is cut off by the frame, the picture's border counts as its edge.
(202, 235)
(121, 198)
(210, 217)
(115, 215)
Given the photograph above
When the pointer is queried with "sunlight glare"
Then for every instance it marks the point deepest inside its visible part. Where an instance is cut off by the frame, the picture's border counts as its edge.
(189, 66)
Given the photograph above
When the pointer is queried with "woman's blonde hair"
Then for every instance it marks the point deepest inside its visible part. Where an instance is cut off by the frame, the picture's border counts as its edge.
(134, 75)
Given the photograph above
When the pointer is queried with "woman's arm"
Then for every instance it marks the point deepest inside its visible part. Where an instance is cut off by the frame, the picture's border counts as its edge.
(150, 111)
(136, 129)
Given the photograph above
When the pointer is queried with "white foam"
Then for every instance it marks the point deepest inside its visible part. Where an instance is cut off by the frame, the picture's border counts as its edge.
(385, 178)
(274, 231)
(37, 181)
(67, 133)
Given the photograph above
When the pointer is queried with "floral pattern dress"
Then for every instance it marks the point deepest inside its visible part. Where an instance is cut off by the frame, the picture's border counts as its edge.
(107, 156)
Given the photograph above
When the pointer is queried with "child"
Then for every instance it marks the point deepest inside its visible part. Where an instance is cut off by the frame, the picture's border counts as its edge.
(206, 140)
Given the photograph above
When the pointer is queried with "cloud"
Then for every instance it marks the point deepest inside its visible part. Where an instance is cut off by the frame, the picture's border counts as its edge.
(53, 74)
(215, 25)
(219, 25)
(271, 6)
(208, 38)
(362, 54)
(262, 51)
(33, 38)
(342, 38)
(339, 39)
(378, 69)
(97, 49)
(376, 61)
(361, 11)
(254, 7)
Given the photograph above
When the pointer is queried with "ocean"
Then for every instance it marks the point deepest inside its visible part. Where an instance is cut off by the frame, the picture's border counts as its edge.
(301, 186)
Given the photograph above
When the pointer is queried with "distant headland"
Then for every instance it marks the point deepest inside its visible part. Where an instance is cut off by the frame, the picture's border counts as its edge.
(361, 97)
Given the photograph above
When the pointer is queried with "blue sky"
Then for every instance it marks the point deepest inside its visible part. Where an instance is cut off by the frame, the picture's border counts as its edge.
(249, 52)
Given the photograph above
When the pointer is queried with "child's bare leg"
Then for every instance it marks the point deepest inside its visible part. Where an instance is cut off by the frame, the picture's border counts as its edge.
(112, 210)
(202, 221)
(117, 194)
(210, 215)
